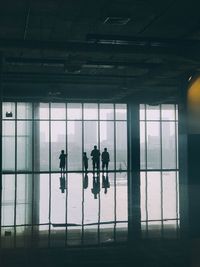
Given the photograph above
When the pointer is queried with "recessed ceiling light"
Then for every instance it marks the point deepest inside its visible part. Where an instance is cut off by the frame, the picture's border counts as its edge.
(120, 21)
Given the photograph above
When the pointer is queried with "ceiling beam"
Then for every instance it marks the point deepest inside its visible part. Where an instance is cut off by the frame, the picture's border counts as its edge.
(138, 45)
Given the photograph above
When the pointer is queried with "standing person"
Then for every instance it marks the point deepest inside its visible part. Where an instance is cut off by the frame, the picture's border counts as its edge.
(95, 158)
(62, 158)
(85, 161)
(105, 158)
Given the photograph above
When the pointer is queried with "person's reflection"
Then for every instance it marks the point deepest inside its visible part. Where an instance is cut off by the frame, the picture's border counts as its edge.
(105, 183)
(96, 186)
(85, 181)
(62, 184)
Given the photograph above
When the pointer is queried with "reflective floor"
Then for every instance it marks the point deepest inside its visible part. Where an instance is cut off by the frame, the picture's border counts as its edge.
(83, 209)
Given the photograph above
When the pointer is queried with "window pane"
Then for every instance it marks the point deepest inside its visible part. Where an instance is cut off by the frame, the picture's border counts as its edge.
(142, 146)
(58, 142)
(8, 110)
(24, 145)
(142, 111)
(58, 111)
(24, 110)
(90, 138)
(41, 111)
(42, 145)
(74, 200)
(58, 201)
(153, 195)
(106, 111)
(24, 199)
(8, 199)
(153, 112)
(107, 198)
(8, 146)
(168, 112)
(121, 197)
(168, 145)
(91, 200)
(41, 197)
(143, 196)
(74, 135)
(120, 111)
(153, 145)
(169, 195)
(90, 111)
(74, 111)
(107, 140)
(121, 145)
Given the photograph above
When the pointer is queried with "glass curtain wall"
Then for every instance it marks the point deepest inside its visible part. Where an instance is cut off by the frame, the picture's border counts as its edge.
(159, 170)
(90, 208)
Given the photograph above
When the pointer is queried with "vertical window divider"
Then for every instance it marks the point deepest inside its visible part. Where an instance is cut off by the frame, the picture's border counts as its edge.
(83, 193)
(1, 141)
(32, 176)
(176, 156)
(115, 191)
(66, 181)
(15, 204)
(98, 175)
(49, 234)
(161, 173)
(146, 180)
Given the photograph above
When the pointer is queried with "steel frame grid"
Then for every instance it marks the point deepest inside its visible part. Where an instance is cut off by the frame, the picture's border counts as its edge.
(33, 172)
(161, 169)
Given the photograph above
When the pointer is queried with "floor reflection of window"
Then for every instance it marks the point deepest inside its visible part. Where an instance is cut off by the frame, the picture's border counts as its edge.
(159, 170)
(89, 209)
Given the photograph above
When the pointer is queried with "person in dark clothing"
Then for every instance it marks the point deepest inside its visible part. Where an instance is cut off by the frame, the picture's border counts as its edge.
(105, 183)
(96, 186)
(105, 158)
(62, 158)
(85, 181)
(95, 158)
(85, 161)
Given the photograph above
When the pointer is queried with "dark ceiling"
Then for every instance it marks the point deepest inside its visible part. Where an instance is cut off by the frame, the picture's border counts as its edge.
(99, 50)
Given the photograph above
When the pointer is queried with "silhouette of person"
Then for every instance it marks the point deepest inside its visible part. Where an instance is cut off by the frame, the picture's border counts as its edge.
(105, 183)
(96, 186)
(62, 184)
(62, 158)
(85, 181)
(85, 161)
(95, 158)
(105, 158)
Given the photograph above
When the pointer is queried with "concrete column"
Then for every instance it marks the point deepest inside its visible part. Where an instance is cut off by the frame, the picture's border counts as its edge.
(1, 99)
(134, 216)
